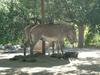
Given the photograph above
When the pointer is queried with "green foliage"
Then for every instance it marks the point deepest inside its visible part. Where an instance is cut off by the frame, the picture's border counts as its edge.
(95, 41)
(16, 14)
(92, 37)
(94, 28)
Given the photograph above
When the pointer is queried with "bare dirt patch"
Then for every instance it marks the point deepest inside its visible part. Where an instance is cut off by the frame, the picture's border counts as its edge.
(88, 63)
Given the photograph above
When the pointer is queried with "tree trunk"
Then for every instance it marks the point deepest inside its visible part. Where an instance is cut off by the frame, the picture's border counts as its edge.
(42, 11)
(42, 14)
(81, 36)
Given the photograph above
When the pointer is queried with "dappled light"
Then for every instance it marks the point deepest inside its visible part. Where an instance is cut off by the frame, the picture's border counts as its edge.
(49, 37)
(86, 64)
(89, 54)
(9, 55)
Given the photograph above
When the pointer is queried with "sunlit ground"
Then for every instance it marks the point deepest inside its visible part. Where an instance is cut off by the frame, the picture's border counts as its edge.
(88, 63)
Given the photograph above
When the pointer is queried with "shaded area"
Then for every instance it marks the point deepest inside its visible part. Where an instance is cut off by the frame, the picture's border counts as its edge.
(90, 66)
(41, 62)
(46, 65)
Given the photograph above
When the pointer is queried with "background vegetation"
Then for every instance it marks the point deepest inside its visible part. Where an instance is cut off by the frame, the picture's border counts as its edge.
(16, 14)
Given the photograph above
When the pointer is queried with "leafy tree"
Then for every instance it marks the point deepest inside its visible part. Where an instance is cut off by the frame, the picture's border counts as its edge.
(94, 27)
(75, 11)
(16, 14)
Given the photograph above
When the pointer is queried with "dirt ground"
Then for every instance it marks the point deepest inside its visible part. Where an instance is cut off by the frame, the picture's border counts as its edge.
(88, 63)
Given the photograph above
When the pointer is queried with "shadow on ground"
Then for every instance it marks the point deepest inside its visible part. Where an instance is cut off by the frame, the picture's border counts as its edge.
(53, 66)
(9, 67)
